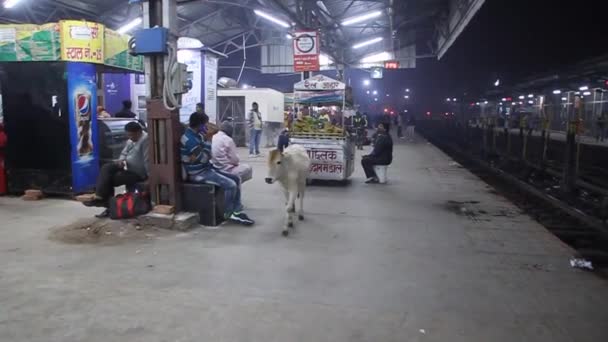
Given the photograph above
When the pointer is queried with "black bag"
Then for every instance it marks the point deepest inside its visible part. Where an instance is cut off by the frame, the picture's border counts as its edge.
(129, 205)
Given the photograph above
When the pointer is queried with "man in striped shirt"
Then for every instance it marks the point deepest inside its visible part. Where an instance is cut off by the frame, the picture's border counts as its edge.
(196, 158)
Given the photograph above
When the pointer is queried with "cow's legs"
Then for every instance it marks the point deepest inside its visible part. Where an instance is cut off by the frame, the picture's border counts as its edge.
(301, 193)
(289, 212)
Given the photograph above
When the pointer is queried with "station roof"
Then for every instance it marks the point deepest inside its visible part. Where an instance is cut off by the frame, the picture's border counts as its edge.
(217, 21)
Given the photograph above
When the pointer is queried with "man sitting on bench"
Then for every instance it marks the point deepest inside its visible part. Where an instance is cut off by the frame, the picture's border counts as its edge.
(129, 169)
(196, 158)
(223, 150)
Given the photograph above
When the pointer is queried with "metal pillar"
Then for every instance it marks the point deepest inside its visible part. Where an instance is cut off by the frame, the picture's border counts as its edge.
(164, 126)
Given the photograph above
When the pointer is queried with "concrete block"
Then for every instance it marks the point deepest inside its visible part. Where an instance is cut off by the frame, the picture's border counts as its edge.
(181, 221)
(185, 221)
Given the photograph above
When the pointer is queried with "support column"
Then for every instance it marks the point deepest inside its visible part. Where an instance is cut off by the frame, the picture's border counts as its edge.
(163, 124)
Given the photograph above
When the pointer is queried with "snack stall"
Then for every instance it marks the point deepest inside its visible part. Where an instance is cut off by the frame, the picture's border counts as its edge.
(319, 127)
(50, 77)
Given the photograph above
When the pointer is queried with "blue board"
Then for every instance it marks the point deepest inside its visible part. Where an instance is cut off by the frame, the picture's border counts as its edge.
(82, 108)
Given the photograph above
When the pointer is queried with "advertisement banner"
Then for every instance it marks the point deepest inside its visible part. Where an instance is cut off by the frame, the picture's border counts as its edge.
(82, 41)
(193, 59)
(29, 43)
(211, 87)
(116, 52)
(82, 109)
(116, 88)
(306, 51)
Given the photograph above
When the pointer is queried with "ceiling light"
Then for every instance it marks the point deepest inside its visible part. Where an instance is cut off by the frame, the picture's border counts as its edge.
(583, 88)
(497, 83)
(131, 25)
(288, 36)
(360, 18)
(366, 82)
(271, 18)
(564, 99)
(557, 92)
(504, 99)
(485, 102)
(522, 97)
(477, 103)
(10, 3)
(448, 99)
(376, 58)
(587, 93)
(530, 96)
(375, 92)
(407, 90)
(454, 99)
(245, 86)
(367, 42)
(531, 102)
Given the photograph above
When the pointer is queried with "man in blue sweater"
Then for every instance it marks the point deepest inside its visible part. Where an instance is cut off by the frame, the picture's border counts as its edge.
(382, 154)
(196, 158)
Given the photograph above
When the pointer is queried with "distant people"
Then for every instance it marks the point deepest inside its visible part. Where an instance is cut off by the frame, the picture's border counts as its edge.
(196, 157)
(283, 140)
(399, 126)
(325, 117)
(382, 154)
(601, 126)
(224, 153)
(410, 128)
(126, 112)
(200, 108)
(102, 113)
(254, 118)
(129, 169)
(360, 125)
(386, 122)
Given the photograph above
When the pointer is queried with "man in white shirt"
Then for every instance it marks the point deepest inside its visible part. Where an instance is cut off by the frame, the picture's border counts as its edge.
(254, 119)
(224, 156)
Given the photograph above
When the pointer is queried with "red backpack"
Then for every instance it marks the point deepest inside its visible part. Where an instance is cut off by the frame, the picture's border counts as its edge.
(129, 205)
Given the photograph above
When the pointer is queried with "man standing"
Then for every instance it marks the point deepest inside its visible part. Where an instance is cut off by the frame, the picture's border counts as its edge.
(196, 157)
(382, 154)
(126, 112)
(410, 128)
(129, 169)
(223, 151)
(254, 119)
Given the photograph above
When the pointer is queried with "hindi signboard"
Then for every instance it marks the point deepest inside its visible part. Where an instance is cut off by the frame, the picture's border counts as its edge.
(306, 51)
(82, 41)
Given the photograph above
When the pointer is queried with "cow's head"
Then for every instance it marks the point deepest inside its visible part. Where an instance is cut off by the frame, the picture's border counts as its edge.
(275, 167)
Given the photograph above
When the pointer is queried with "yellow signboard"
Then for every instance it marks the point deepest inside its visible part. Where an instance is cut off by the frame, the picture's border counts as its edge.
(82, 41)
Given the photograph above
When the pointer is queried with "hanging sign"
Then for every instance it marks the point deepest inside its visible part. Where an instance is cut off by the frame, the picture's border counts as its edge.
(306, 51)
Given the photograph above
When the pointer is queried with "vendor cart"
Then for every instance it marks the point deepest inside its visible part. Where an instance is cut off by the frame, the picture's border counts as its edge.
(329, 146)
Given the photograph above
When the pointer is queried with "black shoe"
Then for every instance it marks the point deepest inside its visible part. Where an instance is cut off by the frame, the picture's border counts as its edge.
(241, 218)
(104, 214)
(372, 180)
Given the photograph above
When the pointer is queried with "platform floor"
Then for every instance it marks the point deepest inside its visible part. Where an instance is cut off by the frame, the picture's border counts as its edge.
(434, 256)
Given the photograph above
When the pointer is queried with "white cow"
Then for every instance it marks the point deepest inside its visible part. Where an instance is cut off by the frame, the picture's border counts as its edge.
(290, 169)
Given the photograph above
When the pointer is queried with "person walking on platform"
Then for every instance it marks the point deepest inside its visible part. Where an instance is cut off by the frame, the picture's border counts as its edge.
(601, 126)
(382, 154)
(196, 158)
(399, 126)
(126, 112)
(129, 169)
(254, 118)
(410, 128)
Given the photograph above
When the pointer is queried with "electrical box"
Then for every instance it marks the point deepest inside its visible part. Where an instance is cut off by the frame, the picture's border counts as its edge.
(181, 79)
(152, 41)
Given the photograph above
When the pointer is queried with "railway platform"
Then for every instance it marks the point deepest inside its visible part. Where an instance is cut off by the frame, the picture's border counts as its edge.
(434, 255)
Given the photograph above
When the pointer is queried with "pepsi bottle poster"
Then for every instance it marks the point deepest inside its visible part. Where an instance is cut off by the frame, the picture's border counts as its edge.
(82, 107)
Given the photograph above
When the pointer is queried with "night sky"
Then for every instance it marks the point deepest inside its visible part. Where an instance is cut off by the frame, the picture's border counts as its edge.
(508, 39)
